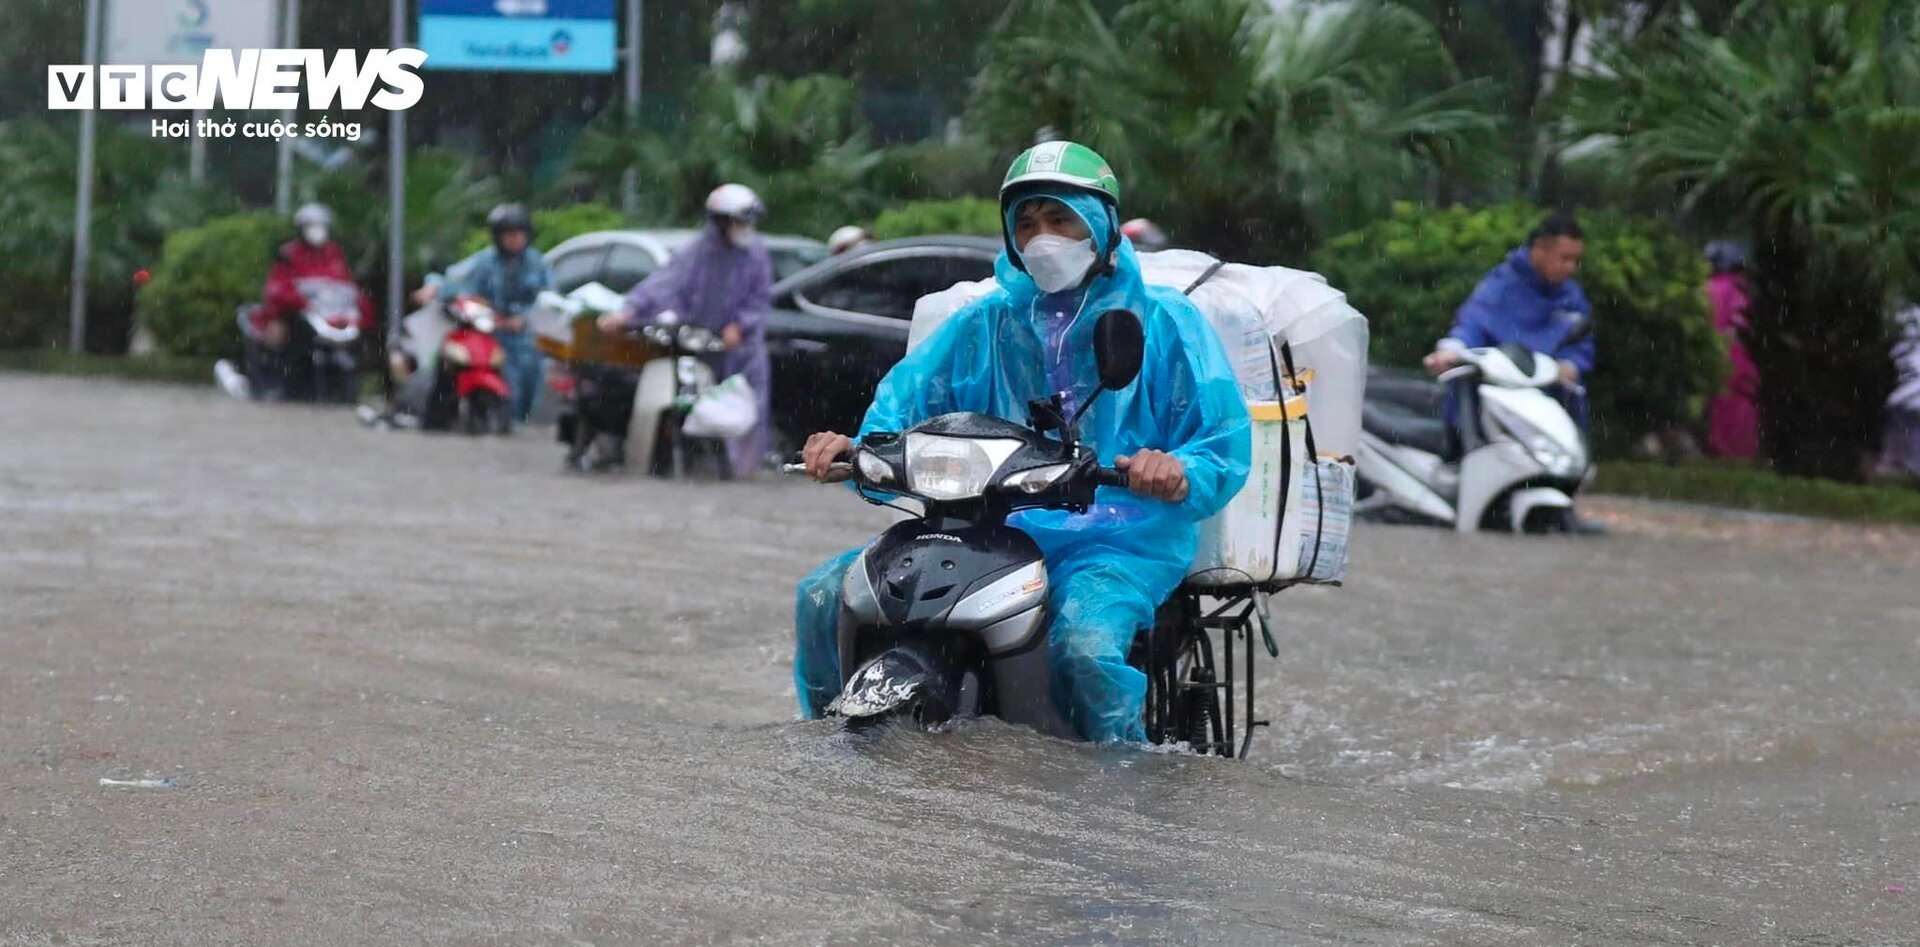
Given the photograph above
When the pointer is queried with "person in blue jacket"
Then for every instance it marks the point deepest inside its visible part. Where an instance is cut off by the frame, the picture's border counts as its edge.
(1181, 430)
(1531, 298)
(509, 275)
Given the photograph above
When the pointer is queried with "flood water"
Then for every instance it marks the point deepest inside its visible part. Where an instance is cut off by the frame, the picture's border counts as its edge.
(389, 688)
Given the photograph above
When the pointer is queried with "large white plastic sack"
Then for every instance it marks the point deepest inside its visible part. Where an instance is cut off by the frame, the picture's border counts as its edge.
(1290, 521)
(1326, 334)
(728, 409)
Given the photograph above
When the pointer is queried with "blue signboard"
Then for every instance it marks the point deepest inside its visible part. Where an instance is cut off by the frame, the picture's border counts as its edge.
(519, 35)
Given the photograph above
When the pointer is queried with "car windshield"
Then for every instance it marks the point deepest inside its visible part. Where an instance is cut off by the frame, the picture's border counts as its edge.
(790, 260)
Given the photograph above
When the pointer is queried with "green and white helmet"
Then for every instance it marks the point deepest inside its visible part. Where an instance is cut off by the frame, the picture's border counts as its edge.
(1074, 165)
(1063, 162)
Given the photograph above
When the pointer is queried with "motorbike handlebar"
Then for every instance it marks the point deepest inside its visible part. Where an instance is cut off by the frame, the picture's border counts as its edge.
(1111, 477)
(841, 464)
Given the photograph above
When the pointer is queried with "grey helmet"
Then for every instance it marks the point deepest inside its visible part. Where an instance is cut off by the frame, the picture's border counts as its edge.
(509, 217)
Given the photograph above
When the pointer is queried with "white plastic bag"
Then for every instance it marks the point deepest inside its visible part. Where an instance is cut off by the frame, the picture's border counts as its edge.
(728, 409)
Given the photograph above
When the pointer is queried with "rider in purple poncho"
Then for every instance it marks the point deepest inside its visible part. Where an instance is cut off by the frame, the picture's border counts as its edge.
(720, 281)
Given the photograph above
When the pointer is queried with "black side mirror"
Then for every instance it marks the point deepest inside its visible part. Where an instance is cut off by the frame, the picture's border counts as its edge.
(1119, 345)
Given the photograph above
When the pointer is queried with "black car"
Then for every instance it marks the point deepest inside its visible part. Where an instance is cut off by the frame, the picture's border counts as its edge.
(835, 327)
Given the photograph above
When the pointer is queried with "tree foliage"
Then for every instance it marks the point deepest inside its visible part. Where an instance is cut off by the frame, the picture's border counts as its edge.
(1249, 130)
(139, 197)
(799, 142)
(1801, 125)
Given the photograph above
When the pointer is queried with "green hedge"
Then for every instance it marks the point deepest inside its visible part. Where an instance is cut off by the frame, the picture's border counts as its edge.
(175, 369)
(204, 273)
(555, 226)
(976, 216)
(1658, 357)
(1727, 484)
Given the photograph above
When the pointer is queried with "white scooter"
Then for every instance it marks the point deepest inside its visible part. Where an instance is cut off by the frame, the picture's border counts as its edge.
(664, 395)
(315, 364)
(1520, 456)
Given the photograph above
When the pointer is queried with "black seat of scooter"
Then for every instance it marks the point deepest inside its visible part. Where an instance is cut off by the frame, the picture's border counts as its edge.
(1408, 391)
(1403, 428)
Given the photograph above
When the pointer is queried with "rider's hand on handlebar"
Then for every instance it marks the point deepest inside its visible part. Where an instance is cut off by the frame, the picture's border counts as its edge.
(1438, 362)
(612, 323)
(1155, 474)
(1569, 373)
(426, 294)
(822, 450)
(731, 336)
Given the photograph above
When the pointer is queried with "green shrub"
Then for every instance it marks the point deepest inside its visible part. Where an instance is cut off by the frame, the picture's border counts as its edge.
(203, 274)
(1658, 357)
(556, 226)
(1722, 483)
(976, 216)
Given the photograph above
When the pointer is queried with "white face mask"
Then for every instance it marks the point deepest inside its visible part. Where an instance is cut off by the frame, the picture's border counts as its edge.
(314, 234)
(1057, 263)
(740, 234)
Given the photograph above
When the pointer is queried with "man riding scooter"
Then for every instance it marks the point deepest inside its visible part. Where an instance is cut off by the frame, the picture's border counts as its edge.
(278, 364)
(720, 282)
(1180, 431)
(1532, 300)
(508, 276)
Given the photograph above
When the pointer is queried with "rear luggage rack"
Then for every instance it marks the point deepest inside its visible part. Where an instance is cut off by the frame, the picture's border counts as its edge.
(1187, 700)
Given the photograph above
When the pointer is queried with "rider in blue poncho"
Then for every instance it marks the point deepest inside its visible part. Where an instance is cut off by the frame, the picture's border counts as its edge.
(1181, 431)
(509, 275)
(1531, 298)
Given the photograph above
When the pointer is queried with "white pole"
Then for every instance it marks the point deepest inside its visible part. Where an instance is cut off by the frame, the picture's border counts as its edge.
(396, 176)
(83, 203)
(283, 166)
(630, 181)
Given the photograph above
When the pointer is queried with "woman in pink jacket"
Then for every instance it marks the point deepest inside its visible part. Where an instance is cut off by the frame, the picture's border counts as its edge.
(1733, 418)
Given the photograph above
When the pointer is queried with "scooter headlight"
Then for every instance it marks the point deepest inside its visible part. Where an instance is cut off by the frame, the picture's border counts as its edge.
(954, 468)
(1036, 479)
(1544, 449)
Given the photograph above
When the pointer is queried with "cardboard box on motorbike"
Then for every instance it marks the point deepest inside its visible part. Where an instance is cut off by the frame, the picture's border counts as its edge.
(1299, 353)
(564, 328)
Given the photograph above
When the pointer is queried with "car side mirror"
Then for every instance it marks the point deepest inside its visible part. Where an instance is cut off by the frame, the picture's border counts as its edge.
(1119, 346)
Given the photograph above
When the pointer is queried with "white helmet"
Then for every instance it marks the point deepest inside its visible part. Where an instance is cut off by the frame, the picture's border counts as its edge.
(847, 238)
(313, 214)
(736, 201)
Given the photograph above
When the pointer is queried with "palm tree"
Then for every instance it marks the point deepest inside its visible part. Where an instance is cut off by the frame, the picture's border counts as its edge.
(1250, 129)
(1800, 124)
(447, 196)
(141, 194)
(799, 142)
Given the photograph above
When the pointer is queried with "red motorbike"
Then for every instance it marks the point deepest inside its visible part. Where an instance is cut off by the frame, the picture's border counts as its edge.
(469, 391)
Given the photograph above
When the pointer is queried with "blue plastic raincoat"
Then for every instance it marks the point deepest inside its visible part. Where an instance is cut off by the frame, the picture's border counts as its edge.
(1112, 566)
(509, 284)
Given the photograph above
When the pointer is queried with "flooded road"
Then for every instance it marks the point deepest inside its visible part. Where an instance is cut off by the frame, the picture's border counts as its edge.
(393, 689)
